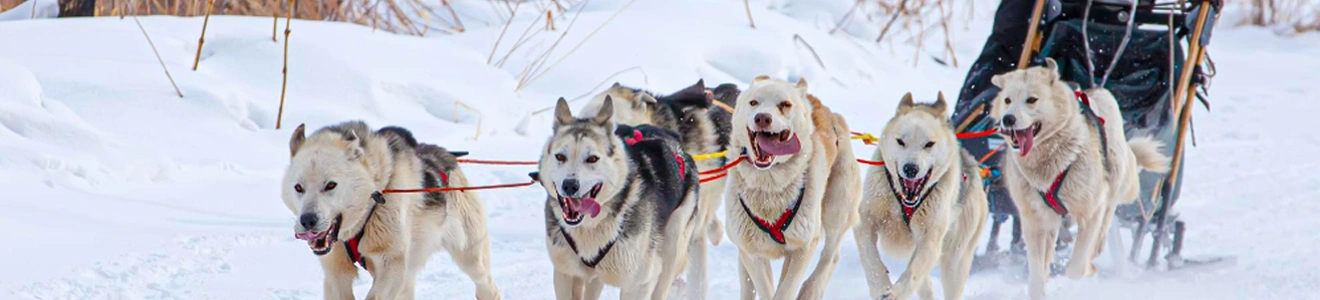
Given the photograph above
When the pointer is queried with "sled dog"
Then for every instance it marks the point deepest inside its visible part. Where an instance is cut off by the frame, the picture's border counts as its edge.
(799, 168)
(622, 206)
(926, 204)
(333, 184)
(702, 129)
(1071, 158)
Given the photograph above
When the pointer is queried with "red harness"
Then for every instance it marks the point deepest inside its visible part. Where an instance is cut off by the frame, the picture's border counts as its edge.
(1051, 196)
(355, 255)
(678, 157)
(776, 229)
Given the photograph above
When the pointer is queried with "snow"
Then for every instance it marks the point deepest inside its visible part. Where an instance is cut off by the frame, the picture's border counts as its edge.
(116, 188)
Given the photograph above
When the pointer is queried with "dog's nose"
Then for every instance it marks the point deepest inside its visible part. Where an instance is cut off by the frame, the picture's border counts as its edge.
(910, 170)
(308, 220)
(1009, 120)
(762, 120)
(571, 187)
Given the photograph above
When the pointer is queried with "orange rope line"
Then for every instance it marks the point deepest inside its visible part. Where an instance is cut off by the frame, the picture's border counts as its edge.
(498, 162)
(461, 189)
(989, 154)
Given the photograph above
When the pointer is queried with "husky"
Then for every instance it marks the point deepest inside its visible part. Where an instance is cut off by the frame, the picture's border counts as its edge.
(1072, 159)
(702, 129)
(333, 186)
(621, 206)
(926, 204)
(799, 168)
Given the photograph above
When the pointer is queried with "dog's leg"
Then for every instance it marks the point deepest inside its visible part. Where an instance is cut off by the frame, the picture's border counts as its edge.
(795, 267)
(745, 281)
(1039, 235)
(993, 246)
(696, 272)
(339, 275)
(955, 266)
(1088, 231)
(924, 258)
(877, 274)
(672, 260)
(568, 287)
(593, 289)
(639, 291)
(814, 287)
(926, 292)
(475, 261)
(1016, 245)
(759, 271)
(390, 278)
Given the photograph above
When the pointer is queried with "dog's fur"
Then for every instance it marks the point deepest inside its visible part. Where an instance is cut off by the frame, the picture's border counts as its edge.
(329, 185)
(823, 174)
(702, 128)
(1065, 138)
(946, 224)
(648, 210)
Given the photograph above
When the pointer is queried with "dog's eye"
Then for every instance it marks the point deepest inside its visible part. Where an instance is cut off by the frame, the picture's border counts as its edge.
(330, 186)
(900, 143)
(298, 188)
(754, 103)
(561, 158)
(593, 159)
(785, 105)
(1008, 100)
(1031, 100)
(929, 144)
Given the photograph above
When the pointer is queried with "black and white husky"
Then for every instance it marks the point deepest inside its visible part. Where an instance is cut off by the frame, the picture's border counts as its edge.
(622, 206)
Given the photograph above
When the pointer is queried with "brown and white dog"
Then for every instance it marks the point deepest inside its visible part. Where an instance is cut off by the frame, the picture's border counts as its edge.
(331, 184)
(799, 168)
(1070, 158)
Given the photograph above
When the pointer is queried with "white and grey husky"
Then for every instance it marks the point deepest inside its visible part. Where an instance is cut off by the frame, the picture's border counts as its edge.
(622, 206)
(333, 185)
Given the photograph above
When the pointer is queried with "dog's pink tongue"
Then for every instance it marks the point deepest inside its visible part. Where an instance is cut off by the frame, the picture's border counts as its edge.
(774, 146)
(306, 235)
(586, 206)
(1024, 140)
(912, 185)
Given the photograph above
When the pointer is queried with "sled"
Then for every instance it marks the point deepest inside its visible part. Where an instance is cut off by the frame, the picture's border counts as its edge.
(1161, 66)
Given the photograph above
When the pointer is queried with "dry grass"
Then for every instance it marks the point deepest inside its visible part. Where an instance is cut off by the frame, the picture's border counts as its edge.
(910, 23)
(1290, 16)
(413, 17)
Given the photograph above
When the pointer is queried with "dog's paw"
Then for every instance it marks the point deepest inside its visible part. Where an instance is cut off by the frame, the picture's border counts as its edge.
(891, 293)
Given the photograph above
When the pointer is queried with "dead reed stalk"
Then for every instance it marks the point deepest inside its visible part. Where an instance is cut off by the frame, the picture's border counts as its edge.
(284, 85)
(748, 6)
(274, 26)
(202, 39)
(579, 44)
(158, 59)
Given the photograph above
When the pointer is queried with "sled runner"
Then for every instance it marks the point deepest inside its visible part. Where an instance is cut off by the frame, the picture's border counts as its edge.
(1150, 53)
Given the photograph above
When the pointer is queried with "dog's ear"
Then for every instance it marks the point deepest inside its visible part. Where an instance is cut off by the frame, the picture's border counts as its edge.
(1052, 69)
(563, 116)
(647, 98)
(760, 79)
(606, 113)
(802, 85)
(997, 80)
(940, 104)
(616, 85)
(906, 103)
(354, 144)
(699, 87)
(299, 136)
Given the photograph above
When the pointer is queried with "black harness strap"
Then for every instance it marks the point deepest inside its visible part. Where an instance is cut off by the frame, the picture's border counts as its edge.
(908, 210)
(600, 254)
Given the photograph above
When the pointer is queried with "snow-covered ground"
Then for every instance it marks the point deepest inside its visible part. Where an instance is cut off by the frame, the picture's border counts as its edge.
(115, 188)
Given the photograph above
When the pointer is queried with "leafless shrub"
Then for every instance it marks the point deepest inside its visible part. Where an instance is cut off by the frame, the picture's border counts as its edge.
(1287, 16)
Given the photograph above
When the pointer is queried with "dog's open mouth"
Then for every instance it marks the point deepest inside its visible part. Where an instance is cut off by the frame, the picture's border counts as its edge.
(766, 145)
(574, 208)
(912, 188)
(322, 242)
(1023, 139)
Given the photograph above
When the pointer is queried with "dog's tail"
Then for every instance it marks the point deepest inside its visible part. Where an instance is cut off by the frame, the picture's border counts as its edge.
(715, 231)
(1148, 153)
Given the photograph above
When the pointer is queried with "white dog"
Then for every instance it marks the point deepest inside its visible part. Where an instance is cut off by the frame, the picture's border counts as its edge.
(1072, 158)
(926, 204)
(332, 185)
(799, 186)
